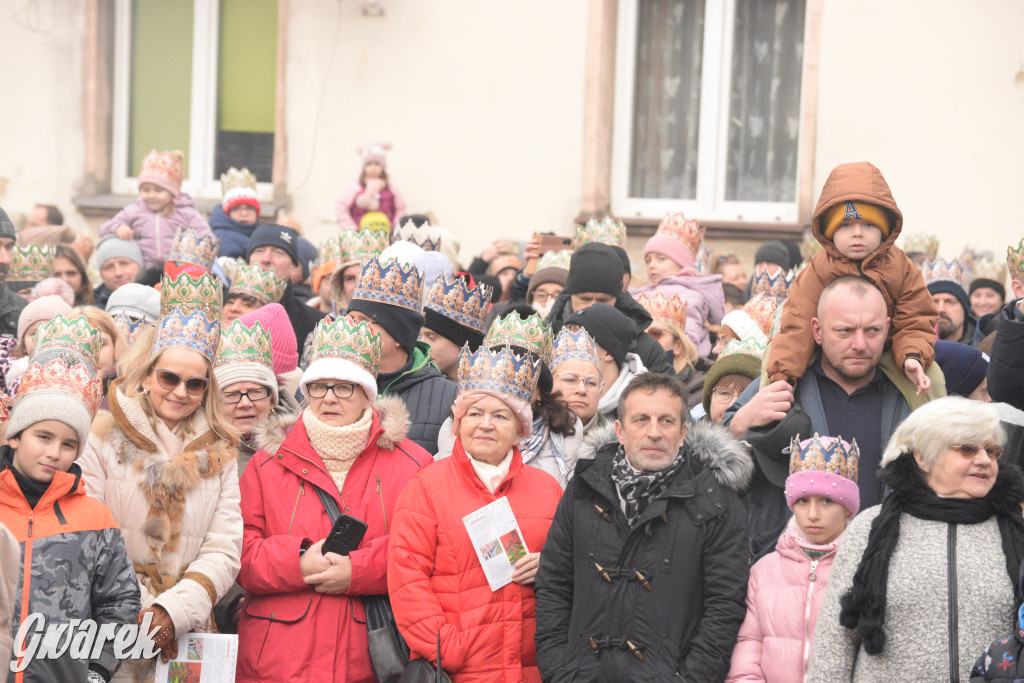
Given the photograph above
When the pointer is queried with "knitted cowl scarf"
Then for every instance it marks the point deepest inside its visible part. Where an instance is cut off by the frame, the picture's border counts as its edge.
(863, 606)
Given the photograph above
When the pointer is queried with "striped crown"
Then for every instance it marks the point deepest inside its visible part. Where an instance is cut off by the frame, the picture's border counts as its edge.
(390, 283)
(747, 347)
(824, 454)
(66, 374)
(129, 328)
(237, 177)
(776, 286)
(942, 270)
(427, 238)
(1015, 260)
(357, 246)
(702, 262)
(355, 342)
(189, 247)
(608, 231)
(666, 309)
(761, 309)
(922, 243)
(499, 371)
(187, 294)
(263, 285)
(31, 263)
(555, 259)
(75, 335)
(188, 331)
(241, 344)
(532, 334)
(578, 345)
(990, 269)
(453, 298)
(681, 229)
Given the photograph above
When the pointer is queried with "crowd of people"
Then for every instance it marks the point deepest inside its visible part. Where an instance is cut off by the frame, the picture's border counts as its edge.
(211, 425)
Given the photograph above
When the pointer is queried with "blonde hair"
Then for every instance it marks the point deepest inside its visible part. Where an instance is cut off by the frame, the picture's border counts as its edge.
(938, 424)
(104, 322)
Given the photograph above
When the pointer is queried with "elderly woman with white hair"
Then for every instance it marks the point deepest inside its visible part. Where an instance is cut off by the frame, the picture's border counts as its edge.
(926, 580)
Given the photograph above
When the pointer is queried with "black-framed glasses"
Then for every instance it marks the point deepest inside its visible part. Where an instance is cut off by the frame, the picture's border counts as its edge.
(257, 394)
(969, 450)
(194, 386)
(341, 390)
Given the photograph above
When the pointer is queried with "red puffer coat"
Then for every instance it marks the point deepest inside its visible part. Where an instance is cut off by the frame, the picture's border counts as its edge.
(288, 632)
(435, 579)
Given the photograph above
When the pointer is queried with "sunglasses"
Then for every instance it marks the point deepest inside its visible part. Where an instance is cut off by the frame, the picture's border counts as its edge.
(194, 386)
(970, 450)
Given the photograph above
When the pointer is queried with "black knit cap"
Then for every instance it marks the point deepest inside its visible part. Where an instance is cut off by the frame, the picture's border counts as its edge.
(401, 323)
(7, 226)
(977, 283)
(623, 256)
(454, 332)
(952, 288)
(609, 327)
(274, 235)
(595, 267)
(773, 252)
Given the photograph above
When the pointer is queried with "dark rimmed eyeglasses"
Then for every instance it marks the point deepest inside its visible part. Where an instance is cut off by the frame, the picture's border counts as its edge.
(257, 394)
(194, 386)
(341, 390)
(969, 450)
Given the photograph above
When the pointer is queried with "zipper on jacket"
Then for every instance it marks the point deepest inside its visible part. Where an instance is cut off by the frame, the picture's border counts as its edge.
(807, 613)
(302, 492)
(382, 507)
(159, 246)
(954, 637)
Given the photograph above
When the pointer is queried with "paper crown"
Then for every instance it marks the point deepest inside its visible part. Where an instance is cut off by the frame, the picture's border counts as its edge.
(192, 331)
(608, 231)
(31, 263)
(427, 237)
(260, 284)
(809, 246)
(237, 177)
(761, 309)
(64, 374)
(498, 371)
(555, 259)
(667, 309)
(776, 320)
(990, 269)
(189, 247)
(681, 229)
(168, 165)
(824, 454)
(702, 262)
(578, 345)
(391, 284)
(186, 294)
(241, 344)
(355, 342)
(922, 243)
(129, 328)
(748, 347)
(75, 334)
(940, 269)
(532, 334)
(329, 250)
(5, 407)
(453, 298)
(359, 245)
(776, 286)
(1015, 260)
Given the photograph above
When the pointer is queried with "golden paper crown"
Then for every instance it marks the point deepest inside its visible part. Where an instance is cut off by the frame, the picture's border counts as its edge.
(1015, 260)
(31, 263)
(187, 294)
(453, 298)
(531, 333)
(607, 231)
(990, 269)
(241, 344)
(67, 374)
(189, 247)
(235, 177)
(665, 309)
(188, 331)
(427, 237)
(329, 250)
(356, 343)
(75, 335)
(776, 286)
(390, 283)
(555, 259)
(921, 243)
(824, 454)
(761, 309)
(263, 285)
(359, 245)
(941, 269)
(498, 371)
(678, 227)
(578, 345)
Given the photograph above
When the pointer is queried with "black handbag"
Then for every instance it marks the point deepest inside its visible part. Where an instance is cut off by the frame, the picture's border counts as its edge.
(389, 654)
(422, 671)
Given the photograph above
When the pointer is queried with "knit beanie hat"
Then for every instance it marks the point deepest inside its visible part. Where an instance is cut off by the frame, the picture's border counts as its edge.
(391, 294)
(737, 358)
(671, 247)
(136, 301)
(54, 286)
(595, 267)
(773, 252)
(113, 246)
(43, 308)
(545, 276)
(308, 255)
(627, 268)
(954, 288)
(824, 466)
(240, 196)
(274, 320)
(985, 283)
(7, 226)
(375, 152)
(274, 235)
(856, 211)
(609, 327)
(164, 169)
(964, 367)
(244, 355)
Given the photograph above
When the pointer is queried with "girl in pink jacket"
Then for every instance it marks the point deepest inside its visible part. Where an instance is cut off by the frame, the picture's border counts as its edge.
(787, 587)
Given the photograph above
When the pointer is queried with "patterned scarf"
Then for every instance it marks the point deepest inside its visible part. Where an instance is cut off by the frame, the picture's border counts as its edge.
(639, 489)
(531, 446)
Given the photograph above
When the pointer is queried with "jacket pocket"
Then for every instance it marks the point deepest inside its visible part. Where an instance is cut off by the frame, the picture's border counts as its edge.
(280, 614)
(282, 609)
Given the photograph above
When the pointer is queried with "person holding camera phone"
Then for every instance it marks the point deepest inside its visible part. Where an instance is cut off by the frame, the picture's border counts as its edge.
(303, 617)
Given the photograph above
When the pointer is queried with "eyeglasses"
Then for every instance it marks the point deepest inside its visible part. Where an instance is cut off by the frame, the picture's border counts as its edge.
(725, 394)
(543, 297)
(342, 390)
(194, 386)
(257, 394)
(969, 450)
(571, 379)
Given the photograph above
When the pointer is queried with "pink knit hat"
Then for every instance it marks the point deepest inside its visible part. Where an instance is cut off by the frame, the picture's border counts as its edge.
(275, 320)
(824, 466)
(54, 285)
(42, 309)
(678, 238)
(375, 152)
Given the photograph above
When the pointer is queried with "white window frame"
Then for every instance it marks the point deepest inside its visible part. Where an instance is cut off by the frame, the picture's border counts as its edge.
(199, 180)
(713, 138)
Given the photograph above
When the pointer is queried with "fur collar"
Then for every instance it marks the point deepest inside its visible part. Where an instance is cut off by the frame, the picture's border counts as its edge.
(391, 412)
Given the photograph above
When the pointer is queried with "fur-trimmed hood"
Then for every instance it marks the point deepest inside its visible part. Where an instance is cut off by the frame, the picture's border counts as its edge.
(391, 413)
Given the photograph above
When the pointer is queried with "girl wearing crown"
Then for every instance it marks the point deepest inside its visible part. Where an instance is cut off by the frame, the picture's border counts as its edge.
(371, 192)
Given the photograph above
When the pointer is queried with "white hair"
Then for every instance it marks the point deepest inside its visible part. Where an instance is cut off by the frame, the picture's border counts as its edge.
(938, 424)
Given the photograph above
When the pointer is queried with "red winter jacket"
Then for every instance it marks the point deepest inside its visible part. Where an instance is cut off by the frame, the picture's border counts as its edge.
(436, 582)
(287, 631)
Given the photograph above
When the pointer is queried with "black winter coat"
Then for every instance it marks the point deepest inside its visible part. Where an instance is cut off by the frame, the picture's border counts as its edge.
(11, 305)
(427, 394)
(1001, 663)
(662, 601)
(302, 317)
(1006, 368)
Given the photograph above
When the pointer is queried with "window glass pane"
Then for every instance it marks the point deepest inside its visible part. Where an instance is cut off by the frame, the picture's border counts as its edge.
(764, 108)
(666, 118)
(246, 86)
(161, 78)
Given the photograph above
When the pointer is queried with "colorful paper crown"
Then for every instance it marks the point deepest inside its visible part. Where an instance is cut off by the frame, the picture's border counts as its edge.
(453, 298)
(922, 243)
(1015, 260)
(532, 334)
(329, 250)
(578, 345)
(761, 309)
(498, 371)
(776, 320)
(391, 284)
(776, 286)
(359, 245)
(990, 269)
(186, 294)
(427, 237)
(260, 284)
(168, 165)
(235, 177)
(747, 347)
(5, 407)
(555, 259)
(941, 269)
(666, 309)
(809, 246)
(129, 328)
(681, 229)
(241, 344)
(65, 374)
(355, 342)
(31, 263)
(188, 331)
(189, 247)
(75, 335)
(824, 454)
(702, 262)
(608, 231)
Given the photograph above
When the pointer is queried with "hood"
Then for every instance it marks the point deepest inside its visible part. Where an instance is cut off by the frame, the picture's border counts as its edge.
(859, 181)
(184, 201)
(219, 220)
(422, 369)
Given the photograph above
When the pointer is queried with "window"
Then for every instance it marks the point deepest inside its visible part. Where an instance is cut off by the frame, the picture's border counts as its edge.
(708, 109)
(199, 76)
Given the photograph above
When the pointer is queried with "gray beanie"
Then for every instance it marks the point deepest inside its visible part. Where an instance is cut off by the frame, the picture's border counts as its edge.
(64, 401)
(6, 226)
(113, 246)
(135, 300)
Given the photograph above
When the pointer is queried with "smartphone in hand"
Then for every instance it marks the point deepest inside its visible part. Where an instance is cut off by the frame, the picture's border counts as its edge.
(345, 536)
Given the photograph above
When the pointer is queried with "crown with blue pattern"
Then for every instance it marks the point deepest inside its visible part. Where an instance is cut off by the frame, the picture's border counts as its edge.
(454, 299)
(578, 345)
(940, 270)
(498, 371)
(776, 286)
(188, 331)
(824, 454)
(129, 328)
(426, 237)
(189, 247)
(391, 283)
